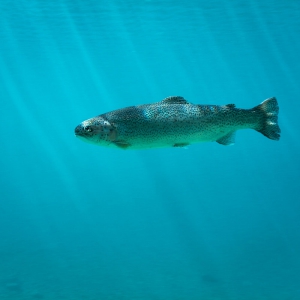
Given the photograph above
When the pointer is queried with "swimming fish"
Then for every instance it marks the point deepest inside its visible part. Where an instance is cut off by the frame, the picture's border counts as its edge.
(175, 122)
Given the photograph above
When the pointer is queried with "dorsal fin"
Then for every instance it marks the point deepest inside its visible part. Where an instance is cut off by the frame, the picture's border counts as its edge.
(174, 100)
(230, 105)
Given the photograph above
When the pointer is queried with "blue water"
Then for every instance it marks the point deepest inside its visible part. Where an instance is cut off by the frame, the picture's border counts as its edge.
(211, 222)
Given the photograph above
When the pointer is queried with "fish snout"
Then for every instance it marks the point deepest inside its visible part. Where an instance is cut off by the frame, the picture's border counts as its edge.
(85, 130)
(79, 130)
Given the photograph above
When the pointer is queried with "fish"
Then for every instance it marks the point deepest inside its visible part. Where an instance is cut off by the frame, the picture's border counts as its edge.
(175, 122)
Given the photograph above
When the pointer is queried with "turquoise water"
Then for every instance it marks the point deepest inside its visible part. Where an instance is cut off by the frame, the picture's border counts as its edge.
(211, 222)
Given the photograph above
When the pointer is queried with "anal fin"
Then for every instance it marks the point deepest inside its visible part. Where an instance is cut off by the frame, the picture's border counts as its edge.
(227, 139)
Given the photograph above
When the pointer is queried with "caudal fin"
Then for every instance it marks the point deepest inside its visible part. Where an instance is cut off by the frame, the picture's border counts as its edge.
(268, 124)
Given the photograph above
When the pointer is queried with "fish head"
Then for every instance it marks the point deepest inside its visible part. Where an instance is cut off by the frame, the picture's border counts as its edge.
(96, 130)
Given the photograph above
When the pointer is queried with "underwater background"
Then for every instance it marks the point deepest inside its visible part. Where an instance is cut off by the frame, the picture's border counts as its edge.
(211, 222)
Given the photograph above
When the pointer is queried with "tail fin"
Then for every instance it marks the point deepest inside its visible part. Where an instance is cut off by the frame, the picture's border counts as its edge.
(268, 125)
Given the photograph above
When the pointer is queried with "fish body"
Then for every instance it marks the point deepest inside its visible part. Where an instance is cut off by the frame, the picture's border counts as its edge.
(174, 122)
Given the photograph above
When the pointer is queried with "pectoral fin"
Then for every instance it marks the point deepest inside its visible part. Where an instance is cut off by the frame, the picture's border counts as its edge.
(122, 144)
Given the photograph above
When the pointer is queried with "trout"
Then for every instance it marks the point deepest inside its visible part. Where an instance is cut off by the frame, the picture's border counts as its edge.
(175, 122)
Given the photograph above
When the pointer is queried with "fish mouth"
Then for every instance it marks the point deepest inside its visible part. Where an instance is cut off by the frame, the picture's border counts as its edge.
(79, 131)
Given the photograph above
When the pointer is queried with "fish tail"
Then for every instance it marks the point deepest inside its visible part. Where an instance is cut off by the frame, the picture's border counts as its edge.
(268, 120)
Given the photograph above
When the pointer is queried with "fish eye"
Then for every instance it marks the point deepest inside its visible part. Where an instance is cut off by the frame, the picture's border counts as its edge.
(88, 128)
